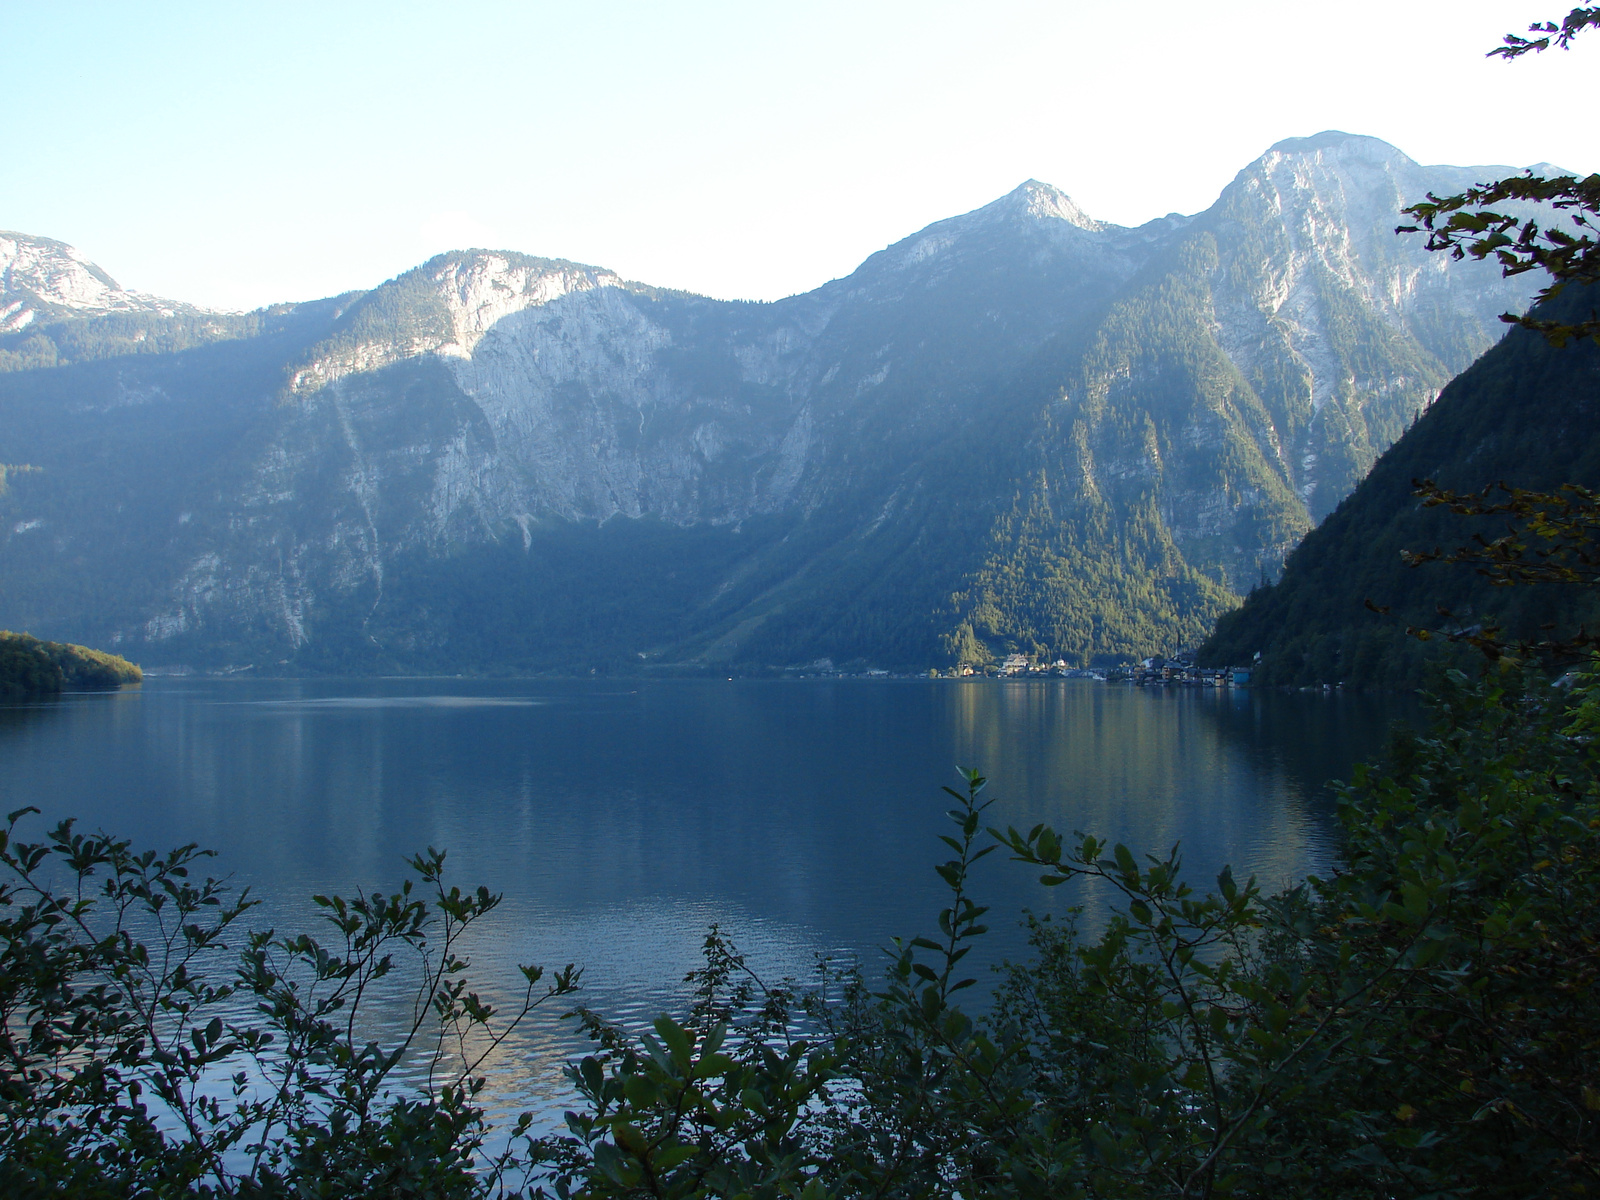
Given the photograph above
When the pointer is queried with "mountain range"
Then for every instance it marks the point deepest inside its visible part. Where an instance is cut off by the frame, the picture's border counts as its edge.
(1017, 429)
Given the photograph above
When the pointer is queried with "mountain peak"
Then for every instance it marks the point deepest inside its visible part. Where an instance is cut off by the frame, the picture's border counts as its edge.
(1334, 146)
(39, 273)
(1328, 139)
(1043, 201)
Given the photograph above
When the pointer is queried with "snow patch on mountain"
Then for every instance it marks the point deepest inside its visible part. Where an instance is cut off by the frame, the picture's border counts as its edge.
(38, 274)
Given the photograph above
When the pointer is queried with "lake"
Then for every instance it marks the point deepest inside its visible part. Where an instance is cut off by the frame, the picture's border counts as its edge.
(620, 819)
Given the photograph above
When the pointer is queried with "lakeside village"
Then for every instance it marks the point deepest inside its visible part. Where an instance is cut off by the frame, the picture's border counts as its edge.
(1156, 671)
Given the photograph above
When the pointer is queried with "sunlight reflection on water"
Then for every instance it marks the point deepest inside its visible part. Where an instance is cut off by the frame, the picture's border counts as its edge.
(621, 822)
(401, 702)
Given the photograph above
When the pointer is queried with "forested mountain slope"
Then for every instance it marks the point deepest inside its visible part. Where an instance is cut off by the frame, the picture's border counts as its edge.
(1526, 413)
(1018, 428)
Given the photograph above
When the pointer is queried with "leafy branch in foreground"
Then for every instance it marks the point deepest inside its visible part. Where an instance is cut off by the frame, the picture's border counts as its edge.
(1420, 1023)
(1574, 23)
(1477, 222)
(127, 1069)
(1550, 537)
(713, 1106)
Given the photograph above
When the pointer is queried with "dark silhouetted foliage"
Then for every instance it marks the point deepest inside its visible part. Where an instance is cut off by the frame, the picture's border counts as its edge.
(1475, 222)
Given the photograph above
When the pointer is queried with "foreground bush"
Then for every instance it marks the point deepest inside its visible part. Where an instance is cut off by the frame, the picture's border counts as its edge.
(121, 1076)
(1426, 1022)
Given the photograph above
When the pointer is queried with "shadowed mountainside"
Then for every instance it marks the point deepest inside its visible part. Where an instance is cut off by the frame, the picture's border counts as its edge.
(1526, 414)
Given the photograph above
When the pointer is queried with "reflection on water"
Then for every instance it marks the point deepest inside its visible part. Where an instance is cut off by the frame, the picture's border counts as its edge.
(621, 820)
(400, 702)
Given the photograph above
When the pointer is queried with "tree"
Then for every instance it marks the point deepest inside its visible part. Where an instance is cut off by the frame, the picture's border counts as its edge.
(1550, 537)
(1475, 222)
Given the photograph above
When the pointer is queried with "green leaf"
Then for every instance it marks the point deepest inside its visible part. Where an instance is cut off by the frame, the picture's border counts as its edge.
(676, 1039)
(1125, 861)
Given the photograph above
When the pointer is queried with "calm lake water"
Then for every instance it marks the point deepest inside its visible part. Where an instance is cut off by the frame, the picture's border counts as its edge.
(621, 819)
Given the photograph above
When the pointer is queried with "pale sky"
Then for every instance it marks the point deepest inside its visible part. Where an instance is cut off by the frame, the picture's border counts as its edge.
(236, 154)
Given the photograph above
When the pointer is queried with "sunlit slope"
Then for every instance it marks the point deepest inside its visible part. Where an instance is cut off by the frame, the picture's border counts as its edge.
(1234, 393)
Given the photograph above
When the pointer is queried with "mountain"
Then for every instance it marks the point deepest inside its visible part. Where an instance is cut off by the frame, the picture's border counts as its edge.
(1017, 428)
(57, 307)
(1526, 414)
(43, 276)
(1232, 395)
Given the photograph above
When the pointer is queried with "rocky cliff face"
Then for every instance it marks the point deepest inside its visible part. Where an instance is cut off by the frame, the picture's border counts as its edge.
(990, 431)
(1308, 332)
(42, 275)
(1346, 330)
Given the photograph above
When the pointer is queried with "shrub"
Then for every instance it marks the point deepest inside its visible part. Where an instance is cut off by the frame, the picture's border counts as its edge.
(1422, 1023)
